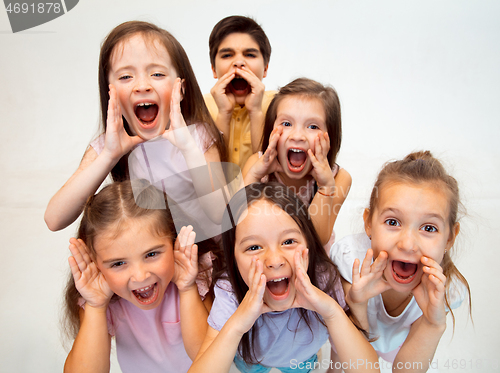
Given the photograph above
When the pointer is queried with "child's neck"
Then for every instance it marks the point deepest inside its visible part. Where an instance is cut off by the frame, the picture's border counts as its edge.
(395, 302)
(294, 183)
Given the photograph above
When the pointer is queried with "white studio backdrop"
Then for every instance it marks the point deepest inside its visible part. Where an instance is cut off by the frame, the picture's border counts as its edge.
(410, 75)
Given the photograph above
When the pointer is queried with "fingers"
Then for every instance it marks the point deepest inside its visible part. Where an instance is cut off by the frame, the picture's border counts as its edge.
(367, 261)
(175, 101)
(355, 271)
(185, 241)
(271, 151)
(381, 262)
(433, 269)
(300, 261)
(434, 274)
(252, 79)
(114, 112)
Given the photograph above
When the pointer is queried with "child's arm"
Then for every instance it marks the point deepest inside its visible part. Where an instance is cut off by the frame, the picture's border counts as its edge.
(350, 344)
(219, 348)
(193, 312)
(67, 204)
(253, 103)
(257, 167)
(92, 346)
(332, 192)
(425, 333)
(198, 163)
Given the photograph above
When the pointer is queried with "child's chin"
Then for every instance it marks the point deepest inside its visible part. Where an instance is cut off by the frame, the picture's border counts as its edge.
(279, 305)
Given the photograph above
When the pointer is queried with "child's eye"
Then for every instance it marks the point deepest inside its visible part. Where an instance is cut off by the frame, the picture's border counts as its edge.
(125, 77)
(392, 222)
(152, 254)
(429, 228)
(117, 264)
(251, 55)
(254, 248)
(286, 124)
(313, 127)
(290, 241)
(226, 55)
(158, 75)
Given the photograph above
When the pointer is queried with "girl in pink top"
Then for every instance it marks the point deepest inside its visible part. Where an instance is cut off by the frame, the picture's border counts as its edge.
(134, 280)
(147, 90)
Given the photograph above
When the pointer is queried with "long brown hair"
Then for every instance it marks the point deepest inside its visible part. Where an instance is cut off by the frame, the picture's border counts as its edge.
(193, 106)
(417, 168)
(111, 210)
(303, 87)
(321, 270)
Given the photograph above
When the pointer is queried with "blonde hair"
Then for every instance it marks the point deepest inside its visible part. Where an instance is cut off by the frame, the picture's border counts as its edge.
(417, 168)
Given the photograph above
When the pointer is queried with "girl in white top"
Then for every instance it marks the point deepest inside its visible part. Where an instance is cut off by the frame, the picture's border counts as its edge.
(403, 296)
(278, 296)
(147, 89)
(301, 140)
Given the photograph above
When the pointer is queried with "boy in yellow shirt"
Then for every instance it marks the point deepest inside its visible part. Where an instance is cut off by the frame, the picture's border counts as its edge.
(239, 55)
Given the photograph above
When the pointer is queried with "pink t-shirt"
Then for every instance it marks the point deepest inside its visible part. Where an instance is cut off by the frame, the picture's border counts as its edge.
(149, 340)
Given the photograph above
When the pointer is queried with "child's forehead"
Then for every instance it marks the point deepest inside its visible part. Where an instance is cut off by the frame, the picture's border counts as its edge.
(262, 211)
(128, 228)
(431, 195)
(152, 42)
(239, 39)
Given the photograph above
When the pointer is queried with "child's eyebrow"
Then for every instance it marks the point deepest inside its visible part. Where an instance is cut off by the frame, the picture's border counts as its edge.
(425, 216)
(231, 50)
(156, 247)
(249, 238)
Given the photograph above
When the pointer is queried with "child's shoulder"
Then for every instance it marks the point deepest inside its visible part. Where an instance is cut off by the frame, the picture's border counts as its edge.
(345, 251)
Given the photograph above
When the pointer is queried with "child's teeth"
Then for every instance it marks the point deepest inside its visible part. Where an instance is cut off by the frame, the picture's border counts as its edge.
(279, 279)
(297, 150)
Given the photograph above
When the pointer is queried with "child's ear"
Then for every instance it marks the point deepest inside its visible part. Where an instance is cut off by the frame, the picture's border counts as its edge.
(453, 235)
(368, 226)
(214, 72)
(183, 88)
(265, 71)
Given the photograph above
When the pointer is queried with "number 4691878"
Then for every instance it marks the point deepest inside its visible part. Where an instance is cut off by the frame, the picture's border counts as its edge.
(33, 8)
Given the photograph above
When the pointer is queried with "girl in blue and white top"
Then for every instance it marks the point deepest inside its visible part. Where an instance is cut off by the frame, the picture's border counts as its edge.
(279, 296)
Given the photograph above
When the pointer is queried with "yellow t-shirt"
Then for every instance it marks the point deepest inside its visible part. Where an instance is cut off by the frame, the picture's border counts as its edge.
(240, 141)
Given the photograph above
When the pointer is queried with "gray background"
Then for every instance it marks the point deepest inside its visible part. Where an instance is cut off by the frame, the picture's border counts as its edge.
(410, 75)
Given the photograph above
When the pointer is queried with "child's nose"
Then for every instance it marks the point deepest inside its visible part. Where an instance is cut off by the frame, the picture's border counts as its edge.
(140, 274)
(408, 241)
(297, 133)
(142, 85)
(239, 63)
(274, 260)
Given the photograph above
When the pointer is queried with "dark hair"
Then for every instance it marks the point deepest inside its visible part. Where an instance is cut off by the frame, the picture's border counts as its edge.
(193, 105)
(111, 210)
(418, 168)
(321, 270)
(303, 87)
(238, 24)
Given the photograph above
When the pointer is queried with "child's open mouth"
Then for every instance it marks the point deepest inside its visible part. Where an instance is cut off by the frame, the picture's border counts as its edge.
(147, 295)
(146, 112)
(403, 272)
(279, 287)
(296, 159)
(239, 85)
